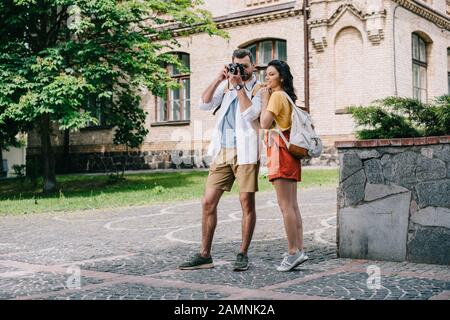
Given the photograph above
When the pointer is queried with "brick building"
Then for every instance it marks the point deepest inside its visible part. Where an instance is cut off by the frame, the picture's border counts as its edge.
(360, 50)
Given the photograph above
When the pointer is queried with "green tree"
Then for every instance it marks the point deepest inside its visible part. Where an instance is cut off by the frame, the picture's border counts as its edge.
(54, 54)
(10, 91)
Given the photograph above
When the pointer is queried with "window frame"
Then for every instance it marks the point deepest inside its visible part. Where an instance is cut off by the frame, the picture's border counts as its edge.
(100, 107)
(421, 64)
(179, 77)
(448, 81)
(448, 69)
(262, 67)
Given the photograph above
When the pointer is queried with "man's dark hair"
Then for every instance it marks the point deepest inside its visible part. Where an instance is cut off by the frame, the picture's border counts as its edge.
(242, 53)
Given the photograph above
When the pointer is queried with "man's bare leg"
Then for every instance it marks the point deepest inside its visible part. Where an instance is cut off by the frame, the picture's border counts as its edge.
(210, 201)
(248, 219)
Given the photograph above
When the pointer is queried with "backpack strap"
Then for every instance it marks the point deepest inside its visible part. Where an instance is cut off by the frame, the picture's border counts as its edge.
(280, 133)
(255, 89)
(277, 128)
(289, 99)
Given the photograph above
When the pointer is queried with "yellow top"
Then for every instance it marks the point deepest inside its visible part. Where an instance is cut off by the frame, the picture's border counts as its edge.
(281, 108)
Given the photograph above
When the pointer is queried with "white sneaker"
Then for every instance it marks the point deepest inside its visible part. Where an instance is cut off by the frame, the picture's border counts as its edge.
(292, 261)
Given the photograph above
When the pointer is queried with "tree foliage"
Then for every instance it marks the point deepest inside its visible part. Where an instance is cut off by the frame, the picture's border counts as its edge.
(56, 55)
(395, 117)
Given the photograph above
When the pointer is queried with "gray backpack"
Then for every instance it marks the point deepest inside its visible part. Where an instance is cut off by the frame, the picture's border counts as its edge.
(303, 139)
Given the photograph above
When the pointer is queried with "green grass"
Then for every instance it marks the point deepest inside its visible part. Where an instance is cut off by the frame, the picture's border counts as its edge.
(81, 192)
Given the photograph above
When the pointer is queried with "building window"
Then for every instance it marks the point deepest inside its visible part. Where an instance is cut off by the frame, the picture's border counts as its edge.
(448, 69)
(176, 106)
(448, 77)
(419, 68)
(98, 109)
(264, 51)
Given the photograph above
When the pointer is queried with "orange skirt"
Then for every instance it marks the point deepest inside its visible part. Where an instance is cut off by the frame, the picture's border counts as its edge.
(280, 163)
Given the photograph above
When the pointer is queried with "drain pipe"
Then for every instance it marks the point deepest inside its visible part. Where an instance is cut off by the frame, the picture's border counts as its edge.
(306, 53)
(395, 55)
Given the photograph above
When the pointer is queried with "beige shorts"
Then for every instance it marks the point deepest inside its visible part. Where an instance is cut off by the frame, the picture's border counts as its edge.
(224, 170)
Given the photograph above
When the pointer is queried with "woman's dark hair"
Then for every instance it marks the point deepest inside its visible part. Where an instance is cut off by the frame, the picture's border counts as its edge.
(287, 81)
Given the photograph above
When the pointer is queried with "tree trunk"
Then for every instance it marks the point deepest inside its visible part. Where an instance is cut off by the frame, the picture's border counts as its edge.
(125, 161)
(66, 154)
(48, 157)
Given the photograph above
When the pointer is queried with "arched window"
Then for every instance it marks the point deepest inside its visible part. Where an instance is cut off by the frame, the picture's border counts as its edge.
(419, 67)
(177, 104)
(264, 51)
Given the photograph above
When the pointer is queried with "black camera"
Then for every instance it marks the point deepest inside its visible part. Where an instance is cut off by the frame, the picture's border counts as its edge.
(233, 68)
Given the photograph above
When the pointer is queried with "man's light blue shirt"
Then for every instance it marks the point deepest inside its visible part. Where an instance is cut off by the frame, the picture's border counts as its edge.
(228, 126)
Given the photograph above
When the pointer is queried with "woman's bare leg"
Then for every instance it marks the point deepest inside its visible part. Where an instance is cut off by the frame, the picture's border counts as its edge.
(287, 202)
(299, 220)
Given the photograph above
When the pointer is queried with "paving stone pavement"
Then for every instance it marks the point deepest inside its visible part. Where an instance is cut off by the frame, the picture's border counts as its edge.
(133, 253)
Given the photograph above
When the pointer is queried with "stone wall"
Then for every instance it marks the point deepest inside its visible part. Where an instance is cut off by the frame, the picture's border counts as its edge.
(89, 162)
(394, 199)
(94, 161)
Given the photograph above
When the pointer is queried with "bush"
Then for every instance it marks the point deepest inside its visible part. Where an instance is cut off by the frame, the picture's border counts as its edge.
(395, 117)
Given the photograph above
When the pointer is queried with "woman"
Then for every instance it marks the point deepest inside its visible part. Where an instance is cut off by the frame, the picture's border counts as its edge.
(284, 169)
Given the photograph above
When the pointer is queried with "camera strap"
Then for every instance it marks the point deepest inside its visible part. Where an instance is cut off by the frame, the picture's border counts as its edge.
(256, 86)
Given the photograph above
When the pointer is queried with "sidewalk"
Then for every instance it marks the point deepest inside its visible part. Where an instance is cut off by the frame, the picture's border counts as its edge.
(133, 253)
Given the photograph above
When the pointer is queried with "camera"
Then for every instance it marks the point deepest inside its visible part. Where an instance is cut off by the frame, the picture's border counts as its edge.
(233, 68)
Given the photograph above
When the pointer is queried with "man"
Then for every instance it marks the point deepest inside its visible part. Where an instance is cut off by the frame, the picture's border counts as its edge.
(234, 149)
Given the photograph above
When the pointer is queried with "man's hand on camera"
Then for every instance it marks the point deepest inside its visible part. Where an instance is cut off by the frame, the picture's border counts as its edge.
(235, 79)
(223, 74)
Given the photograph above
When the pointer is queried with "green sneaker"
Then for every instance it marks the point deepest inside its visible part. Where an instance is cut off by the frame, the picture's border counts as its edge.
(241, 263)
(197, 262)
